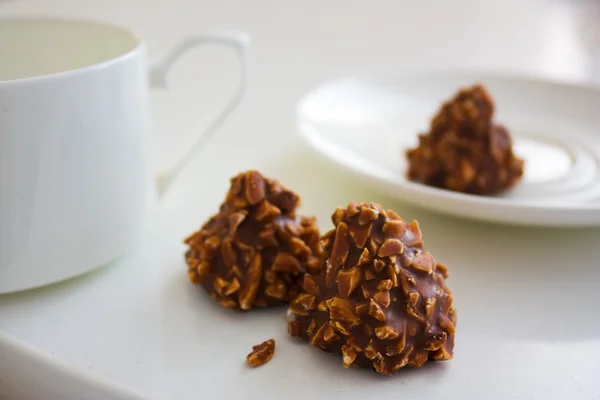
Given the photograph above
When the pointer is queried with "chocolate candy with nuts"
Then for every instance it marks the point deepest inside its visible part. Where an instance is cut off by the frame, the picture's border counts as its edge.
(255, 250)
(381, 301)
(465, 151)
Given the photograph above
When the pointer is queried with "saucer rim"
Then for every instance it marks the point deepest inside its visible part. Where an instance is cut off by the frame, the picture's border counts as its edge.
(515, 211)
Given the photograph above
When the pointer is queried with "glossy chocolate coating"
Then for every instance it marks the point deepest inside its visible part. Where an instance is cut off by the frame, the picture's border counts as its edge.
(255, 250)
(381, 300)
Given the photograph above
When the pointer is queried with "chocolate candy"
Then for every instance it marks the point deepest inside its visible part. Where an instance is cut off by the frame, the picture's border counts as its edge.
(254, 251)
(381, 300)
(464, 150)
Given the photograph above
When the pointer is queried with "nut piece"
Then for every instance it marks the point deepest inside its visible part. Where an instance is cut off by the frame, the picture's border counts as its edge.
(380, 300)
(255, 251)
(464, 150)
(261, 353)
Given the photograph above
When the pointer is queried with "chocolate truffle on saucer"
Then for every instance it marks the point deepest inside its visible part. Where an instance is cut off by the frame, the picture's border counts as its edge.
(464, 150)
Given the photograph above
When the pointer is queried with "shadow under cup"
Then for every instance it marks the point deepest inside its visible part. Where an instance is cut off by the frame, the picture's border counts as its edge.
(75, 187)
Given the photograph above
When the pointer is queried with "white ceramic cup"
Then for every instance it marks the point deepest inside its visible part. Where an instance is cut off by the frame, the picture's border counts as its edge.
(76, 181)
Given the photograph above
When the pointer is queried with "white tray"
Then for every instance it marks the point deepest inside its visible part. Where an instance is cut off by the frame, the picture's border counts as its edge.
(526, 298)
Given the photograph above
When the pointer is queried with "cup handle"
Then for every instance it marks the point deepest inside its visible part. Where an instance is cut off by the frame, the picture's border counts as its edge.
(158, 73)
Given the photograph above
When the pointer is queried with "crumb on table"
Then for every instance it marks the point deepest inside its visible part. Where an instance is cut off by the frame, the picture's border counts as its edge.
(261, 353)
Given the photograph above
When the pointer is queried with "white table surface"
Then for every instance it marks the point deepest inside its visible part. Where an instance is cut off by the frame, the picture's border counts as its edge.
(527, 299)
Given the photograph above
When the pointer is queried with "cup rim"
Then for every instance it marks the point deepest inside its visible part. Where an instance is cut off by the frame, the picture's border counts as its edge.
(139, 45)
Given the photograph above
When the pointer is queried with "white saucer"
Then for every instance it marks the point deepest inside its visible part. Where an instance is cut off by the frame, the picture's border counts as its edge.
(364, 124)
